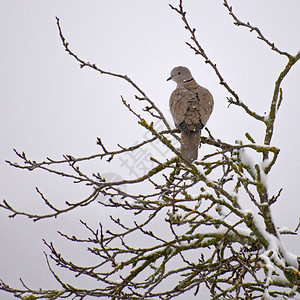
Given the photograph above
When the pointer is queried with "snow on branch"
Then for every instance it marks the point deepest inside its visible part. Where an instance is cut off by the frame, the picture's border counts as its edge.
(176, 226)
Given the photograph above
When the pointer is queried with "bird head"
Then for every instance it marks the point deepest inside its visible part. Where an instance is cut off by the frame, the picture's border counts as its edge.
(180, 75)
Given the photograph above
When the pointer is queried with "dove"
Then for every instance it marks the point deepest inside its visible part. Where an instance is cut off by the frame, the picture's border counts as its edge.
(191, 106)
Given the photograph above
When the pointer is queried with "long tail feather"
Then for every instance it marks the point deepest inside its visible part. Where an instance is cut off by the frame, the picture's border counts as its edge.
(189, 145)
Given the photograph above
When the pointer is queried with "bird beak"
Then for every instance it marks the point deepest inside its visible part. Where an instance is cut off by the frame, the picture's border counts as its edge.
(170, 78)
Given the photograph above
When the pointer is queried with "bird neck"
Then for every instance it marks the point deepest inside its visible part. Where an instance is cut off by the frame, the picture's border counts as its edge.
(188, 80)
(183, 82)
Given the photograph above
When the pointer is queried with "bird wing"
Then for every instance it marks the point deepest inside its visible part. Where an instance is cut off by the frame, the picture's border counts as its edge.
(205, 104)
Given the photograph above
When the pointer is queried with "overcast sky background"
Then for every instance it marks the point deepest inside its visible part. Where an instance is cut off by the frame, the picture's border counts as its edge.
(50, 107)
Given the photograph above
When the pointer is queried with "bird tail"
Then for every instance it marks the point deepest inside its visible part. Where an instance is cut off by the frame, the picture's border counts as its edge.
(189, 145)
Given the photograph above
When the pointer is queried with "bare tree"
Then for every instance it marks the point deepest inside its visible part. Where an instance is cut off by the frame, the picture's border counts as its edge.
(210, 238)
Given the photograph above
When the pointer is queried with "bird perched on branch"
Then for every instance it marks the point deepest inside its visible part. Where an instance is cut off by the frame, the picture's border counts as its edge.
(191, 106)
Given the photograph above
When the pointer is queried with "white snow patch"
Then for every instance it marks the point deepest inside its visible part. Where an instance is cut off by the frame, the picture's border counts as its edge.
(266, 295)
(247, 160)
(266, 118)
(283, 229)
(263, 175)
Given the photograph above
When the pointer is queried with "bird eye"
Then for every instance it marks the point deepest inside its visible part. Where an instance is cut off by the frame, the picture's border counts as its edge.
(179, 73)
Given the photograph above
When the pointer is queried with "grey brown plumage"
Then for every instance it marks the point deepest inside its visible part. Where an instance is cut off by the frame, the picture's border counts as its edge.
(191, 106)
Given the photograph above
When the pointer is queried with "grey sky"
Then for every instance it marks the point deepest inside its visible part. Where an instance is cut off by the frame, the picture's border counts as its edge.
(50, 107)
